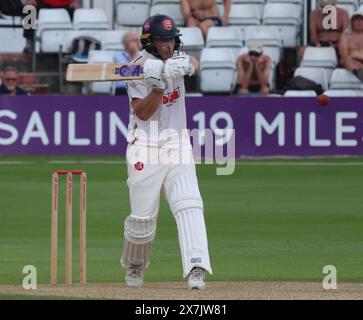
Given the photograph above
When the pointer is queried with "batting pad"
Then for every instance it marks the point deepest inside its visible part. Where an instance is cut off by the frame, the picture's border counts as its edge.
(183, 192)
(139, 235)
(192, 240)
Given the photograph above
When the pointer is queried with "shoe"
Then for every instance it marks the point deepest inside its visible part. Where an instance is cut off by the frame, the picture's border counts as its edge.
(134, 276)
(196, 279)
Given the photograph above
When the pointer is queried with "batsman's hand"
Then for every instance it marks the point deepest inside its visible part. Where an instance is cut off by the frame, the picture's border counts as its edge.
(153, 70)
(178, 67)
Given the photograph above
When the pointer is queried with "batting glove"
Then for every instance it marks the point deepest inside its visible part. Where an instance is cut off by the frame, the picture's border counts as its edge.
(178, 67)
(153, 70)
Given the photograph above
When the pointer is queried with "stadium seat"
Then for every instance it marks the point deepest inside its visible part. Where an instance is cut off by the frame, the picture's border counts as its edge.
(52, 23)
(101, 56)
(317, 75)
(16, 41)
(287, 17)
(69, 36)
(225, 37)
(53, 19)
(92, 19)
(217, 70)
(268, 36)
(166, 1)
(300, 93)
(344, 79)
(249, 1)
(320, 57)
(170, 9)
(286, 13)
(193, 94)
(111, 39)
(350, 5)
(300, 2)
(350, 8)
(274, 53)
(132, 12)
(341, 93)
(244, 14)
(353, 2)
(193, 41)
(272, 78)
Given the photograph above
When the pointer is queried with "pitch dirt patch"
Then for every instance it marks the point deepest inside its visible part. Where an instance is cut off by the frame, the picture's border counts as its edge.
(177, 290)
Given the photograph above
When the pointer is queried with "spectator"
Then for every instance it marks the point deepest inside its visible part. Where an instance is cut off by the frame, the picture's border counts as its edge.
(320, 36)
(204, 14)
(253, 71)
(10, 82)
(132, 46)
(351, 46)
(69, 5)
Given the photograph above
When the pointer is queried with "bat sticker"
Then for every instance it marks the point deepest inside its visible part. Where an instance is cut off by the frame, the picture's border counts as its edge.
(128, 71)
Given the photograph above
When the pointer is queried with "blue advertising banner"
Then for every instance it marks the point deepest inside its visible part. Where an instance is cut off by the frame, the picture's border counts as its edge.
(97, 125)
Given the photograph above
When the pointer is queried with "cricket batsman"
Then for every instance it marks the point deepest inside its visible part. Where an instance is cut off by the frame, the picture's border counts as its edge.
(158, 144)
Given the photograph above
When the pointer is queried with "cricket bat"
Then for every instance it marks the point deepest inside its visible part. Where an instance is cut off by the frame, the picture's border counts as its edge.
(104, 72)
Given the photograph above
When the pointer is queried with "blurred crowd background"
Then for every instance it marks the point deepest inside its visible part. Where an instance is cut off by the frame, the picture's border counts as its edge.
(245, 47)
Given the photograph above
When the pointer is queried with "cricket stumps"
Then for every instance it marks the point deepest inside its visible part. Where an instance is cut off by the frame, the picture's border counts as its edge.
(69, 239)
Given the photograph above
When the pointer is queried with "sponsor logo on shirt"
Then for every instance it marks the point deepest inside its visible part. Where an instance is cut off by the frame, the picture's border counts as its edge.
(171, 97)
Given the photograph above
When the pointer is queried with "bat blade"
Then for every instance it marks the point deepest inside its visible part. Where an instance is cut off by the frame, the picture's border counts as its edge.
(104, 72)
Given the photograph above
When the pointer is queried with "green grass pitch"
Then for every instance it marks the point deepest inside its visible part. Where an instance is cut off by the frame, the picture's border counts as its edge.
(272, 220)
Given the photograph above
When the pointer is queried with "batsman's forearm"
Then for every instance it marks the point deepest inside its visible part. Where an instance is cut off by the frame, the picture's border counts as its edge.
(145, 108)
(195, 63)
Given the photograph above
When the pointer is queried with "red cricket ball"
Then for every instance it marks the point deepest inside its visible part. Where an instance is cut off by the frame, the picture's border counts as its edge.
(323, 100)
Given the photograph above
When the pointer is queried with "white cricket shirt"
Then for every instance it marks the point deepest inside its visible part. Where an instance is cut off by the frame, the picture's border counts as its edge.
(167, 127)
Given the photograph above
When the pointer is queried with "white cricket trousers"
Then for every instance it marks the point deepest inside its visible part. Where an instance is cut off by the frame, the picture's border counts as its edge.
(152, 171)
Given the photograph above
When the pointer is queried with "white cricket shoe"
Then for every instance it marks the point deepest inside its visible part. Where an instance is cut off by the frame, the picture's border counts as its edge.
(134, 276)
(196, 279)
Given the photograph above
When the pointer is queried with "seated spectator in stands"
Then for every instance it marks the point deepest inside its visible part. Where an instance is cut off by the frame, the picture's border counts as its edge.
(204, 14)
(69, 5)
(351, 46)
(253, 71)
(132, 46)
(9, 84)
(321, 37)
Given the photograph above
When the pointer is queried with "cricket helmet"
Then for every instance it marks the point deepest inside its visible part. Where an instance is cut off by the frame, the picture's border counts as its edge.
(159, 26)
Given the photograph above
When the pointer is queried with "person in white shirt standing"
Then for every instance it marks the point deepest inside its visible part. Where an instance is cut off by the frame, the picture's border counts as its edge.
(160, 158)
(131, 44)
